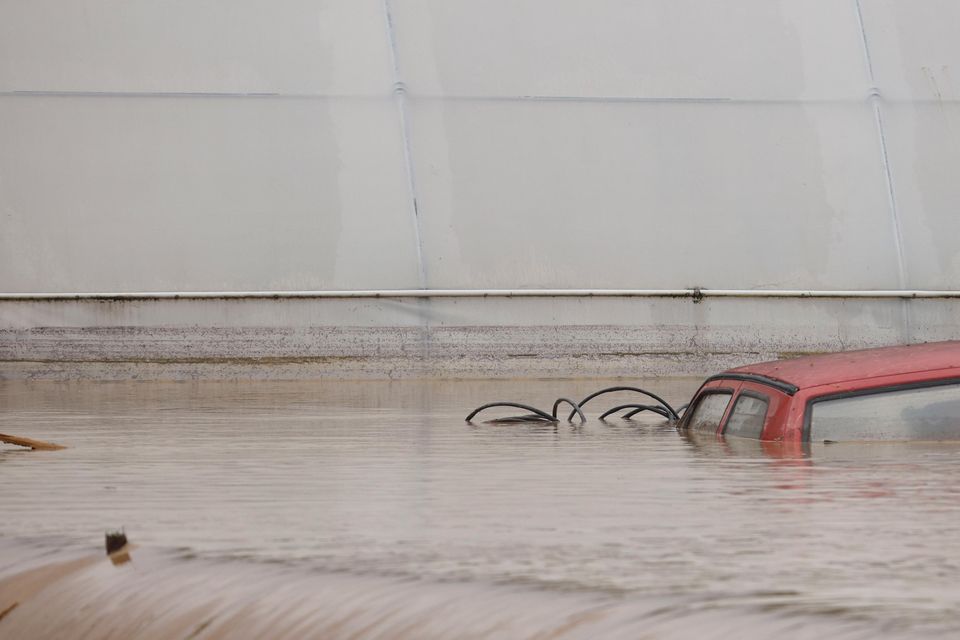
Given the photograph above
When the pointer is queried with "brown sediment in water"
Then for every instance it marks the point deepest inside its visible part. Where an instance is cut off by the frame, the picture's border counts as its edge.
(23, 586)
(156, 596)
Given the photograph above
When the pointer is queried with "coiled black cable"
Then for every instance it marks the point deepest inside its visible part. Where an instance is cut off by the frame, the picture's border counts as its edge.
(543, 415)
(666, 405)
(662, 408)
(576, 409)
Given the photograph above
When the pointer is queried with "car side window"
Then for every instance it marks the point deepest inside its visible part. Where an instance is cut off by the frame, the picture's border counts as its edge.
(747, 418)
(709, 411)
(925, 413)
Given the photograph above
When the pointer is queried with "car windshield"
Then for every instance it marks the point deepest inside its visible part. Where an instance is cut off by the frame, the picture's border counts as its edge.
(927, 413)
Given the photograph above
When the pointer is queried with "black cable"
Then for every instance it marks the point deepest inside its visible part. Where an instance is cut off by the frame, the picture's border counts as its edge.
(541, 414)
(673, 414)
(525, 419)
(663, 408)
(637, 408)
(576, 409)
(663, 412)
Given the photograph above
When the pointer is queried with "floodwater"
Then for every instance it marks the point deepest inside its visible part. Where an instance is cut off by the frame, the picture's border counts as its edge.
(371, 509)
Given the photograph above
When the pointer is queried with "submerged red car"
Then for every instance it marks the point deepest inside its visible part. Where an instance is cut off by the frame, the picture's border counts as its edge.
(891, 393)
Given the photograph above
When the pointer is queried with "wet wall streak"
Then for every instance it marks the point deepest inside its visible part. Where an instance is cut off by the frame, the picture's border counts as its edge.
(448, 337)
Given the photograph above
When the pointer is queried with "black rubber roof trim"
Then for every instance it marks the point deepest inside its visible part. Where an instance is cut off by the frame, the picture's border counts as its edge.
(786, 387)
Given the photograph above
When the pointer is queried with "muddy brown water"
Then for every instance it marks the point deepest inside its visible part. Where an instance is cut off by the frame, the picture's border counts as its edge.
(370, 509)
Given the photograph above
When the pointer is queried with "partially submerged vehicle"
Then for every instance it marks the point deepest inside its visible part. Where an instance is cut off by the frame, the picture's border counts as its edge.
(889, 393)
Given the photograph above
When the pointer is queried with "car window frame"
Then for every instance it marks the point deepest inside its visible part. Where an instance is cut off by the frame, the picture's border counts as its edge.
(712, 391)
(872, 391)
(756, 395)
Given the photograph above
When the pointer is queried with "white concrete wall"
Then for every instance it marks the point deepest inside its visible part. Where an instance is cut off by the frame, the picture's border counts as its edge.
(385, 144)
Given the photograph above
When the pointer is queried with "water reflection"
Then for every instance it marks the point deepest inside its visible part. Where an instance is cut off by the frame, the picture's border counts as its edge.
(908, 452)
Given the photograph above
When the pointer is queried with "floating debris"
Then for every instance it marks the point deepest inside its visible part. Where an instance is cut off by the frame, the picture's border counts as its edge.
(4, 613)
(117, 548)
(30, 443)
(115, 541)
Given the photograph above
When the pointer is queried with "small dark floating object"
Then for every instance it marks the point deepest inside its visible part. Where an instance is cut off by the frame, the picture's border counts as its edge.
(115, 541)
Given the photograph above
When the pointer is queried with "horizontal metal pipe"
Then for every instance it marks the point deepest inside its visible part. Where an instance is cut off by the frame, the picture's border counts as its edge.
(696, 294)
(387, 93)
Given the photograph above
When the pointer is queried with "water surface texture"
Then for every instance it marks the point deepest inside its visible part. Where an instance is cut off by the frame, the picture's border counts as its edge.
(376, 501)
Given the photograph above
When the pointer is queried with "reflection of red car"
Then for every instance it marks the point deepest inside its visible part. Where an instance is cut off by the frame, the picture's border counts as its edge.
(892, 393)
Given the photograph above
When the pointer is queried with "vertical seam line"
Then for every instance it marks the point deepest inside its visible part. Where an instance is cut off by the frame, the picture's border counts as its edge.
(400, 97)
(875, 98)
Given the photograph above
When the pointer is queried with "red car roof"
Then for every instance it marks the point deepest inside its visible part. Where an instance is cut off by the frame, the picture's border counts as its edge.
(846, 366)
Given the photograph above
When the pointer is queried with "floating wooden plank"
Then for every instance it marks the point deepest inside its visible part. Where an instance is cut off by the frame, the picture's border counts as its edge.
(28, 442)
(8, 610)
